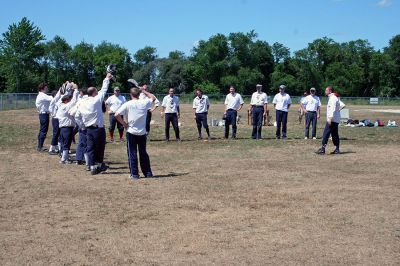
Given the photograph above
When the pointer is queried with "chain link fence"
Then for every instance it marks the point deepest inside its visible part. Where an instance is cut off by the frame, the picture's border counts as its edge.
(12, 101)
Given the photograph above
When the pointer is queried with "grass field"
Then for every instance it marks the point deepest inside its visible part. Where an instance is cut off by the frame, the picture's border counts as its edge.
(240, 202)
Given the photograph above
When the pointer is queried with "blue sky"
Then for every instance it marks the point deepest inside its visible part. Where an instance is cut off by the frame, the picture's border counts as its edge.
(178, 24)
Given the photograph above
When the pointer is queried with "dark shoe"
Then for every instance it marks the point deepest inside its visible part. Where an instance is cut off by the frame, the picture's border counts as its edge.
(95, 171)
(66, 162)
(134, 177)
(321, 151)
(199, 138)
(40, 149)
(53, 152)
(336, 151)
(103, 167)
(277, 137)
(80, 162)
(149, 175)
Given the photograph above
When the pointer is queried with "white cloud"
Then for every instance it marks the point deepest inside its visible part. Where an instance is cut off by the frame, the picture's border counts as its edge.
(384, 3)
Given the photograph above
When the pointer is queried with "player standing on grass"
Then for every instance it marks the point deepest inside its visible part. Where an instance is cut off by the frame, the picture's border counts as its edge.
(55, 139)
(135, 112)
(332, 122)
(113, 103)
(282, 104)
(233, 104)
(67, 123)
(201, 104)
(151, 110)
(170, 106)
(90, 114)
(42, 105)
(258, 108)
(311, 106)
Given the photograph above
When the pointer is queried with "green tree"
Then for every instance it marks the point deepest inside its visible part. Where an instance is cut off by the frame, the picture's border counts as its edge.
(57, 56)
(106, 53)
(82, 57)
(20, 52)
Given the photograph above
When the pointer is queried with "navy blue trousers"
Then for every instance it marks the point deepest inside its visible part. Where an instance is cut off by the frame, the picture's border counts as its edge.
(231, 116)
(332, 129)
(66, 135)
(201, 120)
(56, 132)
(44, 120)
(257, 118)
(281, 122)
(171, 118)
(311, 119)
(81, 148)
(135, 144)
(114, 122)
(95, 144)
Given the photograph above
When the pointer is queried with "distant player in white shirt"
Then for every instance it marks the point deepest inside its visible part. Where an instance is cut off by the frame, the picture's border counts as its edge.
(170, 106)
(42, 105)
(282, 102)
(233, 104)
(311, 106)
(258, 108)
(135, 112)
(201, 104)
(332, 122)
(113, 103)
(155, 105)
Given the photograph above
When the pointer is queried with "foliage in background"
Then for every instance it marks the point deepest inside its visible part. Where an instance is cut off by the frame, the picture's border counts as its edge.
(354, 68)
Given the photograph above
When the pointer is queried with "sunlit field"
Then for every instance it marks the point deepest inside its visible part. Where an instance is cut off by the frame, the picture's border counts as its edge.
(221, 202)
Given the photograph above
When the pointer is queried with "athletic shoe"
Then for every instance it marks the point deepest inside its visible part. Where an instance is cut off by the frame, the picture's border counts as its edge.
(66, 162)
(103, 167)
(321, 151)
(277, 137)
(111, 140)
(41, 149)
(53, 152)
(88, 168)
(314, 138)
(122, 140)
(199, 138)
(134, 177)
(149, 175)
(95, 171)
(305, 137)
(336, 151)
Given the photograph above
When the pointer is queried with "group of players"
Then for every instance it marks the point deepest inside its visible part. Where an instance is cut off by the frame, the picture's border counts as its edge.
(73, 110)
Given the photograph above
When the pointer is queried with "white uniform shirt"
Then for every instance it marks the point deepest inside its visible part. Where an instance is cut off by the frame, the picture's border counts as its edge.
(143, 96)
(135, 112)
(54, 105)
(282, 102)
(333, 108)
(90, 112)
(311, 103)
(201, 104)
(43, 102)
(63, 115)
(171, 104)
(74, 109)
(259, 99)
(115, 102)
(233, 101)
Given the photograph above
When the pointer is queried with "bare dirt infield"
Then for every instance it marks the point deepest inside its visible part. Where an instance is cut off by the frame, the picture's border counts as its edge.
(240, 202)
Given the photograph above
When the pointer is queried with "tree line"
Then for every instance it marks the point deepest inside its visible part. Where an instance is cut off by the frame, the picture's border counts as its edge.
(354, 68)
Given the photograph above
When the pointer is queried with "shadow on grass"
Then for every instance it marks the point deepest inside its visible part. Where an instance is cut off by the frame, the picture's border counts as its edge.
(172, 174)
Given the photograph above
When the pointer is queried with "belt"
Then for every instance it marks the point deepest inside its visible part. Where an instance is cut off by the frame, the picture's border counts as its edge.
(258, 106)
(232, 110)
(44, 113)
(93, 126)
(311, 111)
(67, 126)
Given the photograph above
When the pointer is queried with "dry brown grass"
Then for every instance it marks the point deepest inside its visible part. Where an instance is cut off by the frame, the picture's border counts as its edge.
(219, 202)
